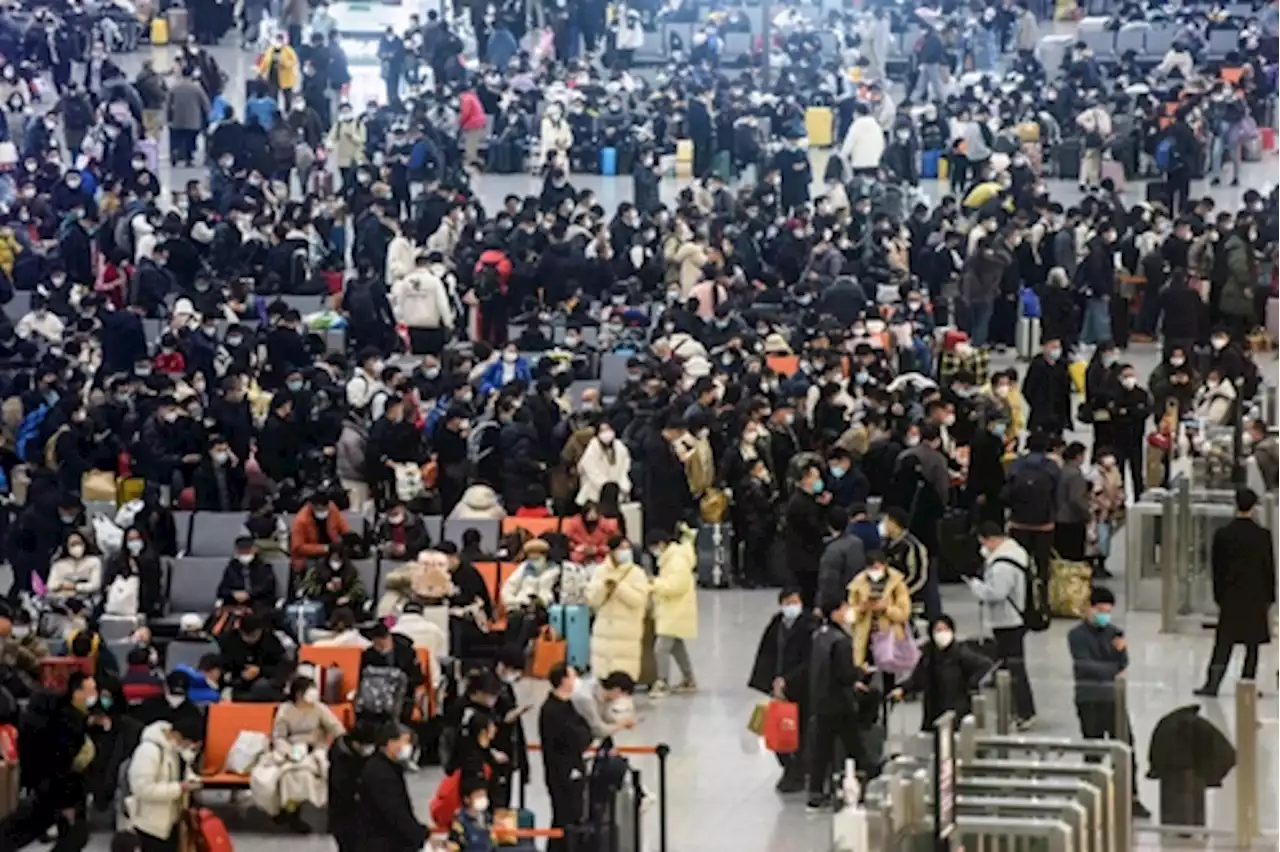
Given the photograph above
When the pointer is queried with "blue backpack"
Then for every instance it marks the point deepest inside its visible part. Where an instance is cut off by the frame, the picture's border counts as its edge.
(29, 431)
(1166, 153)
(1030, 303)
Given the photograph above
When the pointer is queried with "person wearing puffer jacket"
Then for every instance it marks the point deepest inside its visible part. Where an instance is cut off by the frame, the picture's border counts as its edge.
(158, 785)
(863, 143)
(420, 300)
(531, 585)
(605, 460)
(400, 255)
(76, 572)
(555, 139)
(618, 594)
(1214, 402)
(675, 607)
(478, 502)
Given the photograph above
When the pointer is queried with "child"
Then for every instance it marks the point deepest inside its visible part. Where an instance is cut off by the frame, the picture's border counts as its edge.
(470, 830)
(1108, 506)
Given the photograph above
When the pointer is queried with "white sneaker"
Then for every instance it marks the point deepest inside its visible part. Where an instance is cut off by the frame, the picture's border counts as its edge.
(659, 689)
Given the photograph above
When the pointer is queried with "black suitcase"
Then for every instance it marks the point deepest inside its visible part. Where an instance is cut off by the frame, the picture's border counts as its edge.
(1158, 192)
(958, 548)
(1067, 156)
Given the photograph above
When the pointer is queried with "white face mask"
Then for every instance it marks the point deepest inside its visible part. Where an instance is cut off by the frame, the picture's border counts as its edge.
(134, 545)
(311, 696)
(480, 804)
(875, 574)
(1129, 382)
(244, 558)
(943, 638)
(174, 701)
(75, 551)
(1218, 343)
(912, 440)
(405, 753)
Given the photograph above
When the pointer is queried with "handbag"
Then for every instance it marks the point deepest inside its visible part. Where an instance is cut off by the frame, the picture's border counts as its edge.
(98, 486)
(755, 723)
(782, 727)
(409, 482)
(894, 654)
(122, 596)
(549, 650)
(248, 747)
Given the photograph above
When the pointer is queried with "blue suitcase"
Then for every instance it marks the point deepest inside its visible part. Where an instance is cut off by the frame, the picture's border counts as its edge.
(303, 617)
(608, 161)
(929, 163)
(573, 622)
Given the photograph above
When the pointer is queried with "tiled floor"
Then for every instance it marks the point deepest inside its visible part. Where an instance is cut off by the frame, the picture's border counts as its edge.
(721, 794)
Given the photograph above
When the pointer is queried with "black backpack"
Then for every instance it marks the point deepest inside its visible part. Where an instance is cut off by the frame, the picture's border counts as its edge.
(1031, 495)
(488, 283)
(1036, 615)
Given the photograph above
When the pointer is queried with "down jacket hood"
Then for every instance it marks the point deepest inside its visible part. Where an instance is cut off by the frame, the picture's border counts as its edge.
(481, 498)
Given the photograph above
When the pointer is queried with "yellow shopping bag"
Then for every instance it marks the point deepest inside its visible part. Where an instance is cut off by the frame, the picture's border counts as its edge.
(755, 724)
(1077, 371)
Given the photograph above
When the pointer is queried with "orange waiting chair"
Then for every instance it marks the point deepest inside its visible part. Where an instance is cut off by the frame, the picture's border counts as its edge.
(226, 720)
(345, 660)
(495, 576)
(535, 527)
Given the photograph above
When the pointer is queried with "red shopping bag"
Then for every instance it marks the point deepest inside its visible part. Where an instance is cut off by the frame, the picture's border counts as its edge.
(782, 727)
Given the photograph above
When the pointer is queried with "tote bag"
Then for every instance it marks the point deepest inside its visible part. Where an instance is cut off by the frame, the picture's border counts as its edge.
(894, 654)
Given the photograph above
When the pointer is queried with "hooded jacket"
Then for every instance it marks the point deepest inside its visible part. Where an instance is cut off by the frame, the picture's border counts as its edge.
(156, 796)
(619, 596)
(675, 592)
(479, 501)
(421, 300)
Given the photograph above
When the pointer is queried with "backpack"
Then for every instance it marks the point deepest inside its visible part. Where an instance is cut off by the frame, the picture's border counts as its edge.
(29, 432)
(1036, 615)
(209, 831)
(382, 691)
(1032, 491)
(488, 283)
(1166, 154)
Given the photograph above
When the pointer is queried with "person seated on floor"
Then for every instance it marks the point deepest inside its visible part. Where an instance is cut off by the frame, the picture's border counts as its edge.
(342, 631)
(248, 585)
(141, 679)
(388, 649)
(296, 770)
(255, 664)
(333, 581)
(402, 534)
(76, 571)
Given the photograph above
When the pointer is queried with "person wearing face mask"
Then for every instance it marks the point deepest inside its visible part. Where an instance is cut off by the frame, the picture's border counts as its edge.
(1129, 408)
(219, 480)
(160, 780)
(806, 528)
(618, 594)
(948, 675)
(385, 812)
(1215, 401)
(317, 530)
(840, 701)
(986, 478)
(1099, 652)
(1173, 380)
(605, 460)
(881, 602)
(348, 755)
(329, 583)
(1047, 390)
(295, 772)
(566, 735)
(136, 563)
(76, 572)
(248, 583)
(1003, 596)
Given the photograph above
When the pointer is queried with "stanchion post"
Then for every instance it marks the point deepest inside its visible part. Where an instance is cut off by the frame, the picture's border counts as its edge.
(1246, 763)
(1122, 708)
(979, 707)
(663, 751)
(1170, 546)
(1004, 702)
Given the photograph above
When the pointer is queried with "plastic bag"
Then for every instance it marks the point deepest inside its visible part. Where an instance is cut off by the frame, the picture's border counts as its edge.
(245, 751)
(122, 596)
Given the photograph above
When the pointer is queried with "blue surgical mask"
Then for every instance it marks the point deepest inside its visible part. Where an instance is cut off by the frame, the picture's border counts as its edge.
(997, 429)
(1109, 360)
(1053, 354)
(790, 612)
(861, 378)
(1102, 619)
(818, 487)
(837, 472)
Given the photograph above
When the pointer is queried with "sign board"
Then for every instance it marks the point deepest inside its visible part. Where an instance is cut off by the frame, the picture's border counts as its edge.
(944, 780)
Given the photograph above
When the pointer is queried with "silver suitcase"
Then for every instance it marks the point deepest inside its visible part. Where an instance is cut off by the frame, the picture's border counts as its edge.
(1028, 337)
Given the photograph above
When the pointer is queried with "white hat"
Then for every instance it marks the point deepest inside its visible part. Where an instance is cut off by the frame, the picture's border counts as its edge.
(190, 623)
(183, 306)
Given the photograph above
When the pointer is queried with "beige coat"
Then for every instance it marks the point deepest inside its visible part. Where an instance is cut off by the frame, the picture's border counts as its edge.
(691, 257)
(675, 592)
(619, 596)
(346, 141)
(897, 601)
(296, 770)
(555, 141)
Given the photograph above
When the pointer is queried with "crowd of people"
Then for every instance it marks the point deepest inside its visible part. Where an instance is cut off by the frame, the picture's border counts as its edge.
(808, 401)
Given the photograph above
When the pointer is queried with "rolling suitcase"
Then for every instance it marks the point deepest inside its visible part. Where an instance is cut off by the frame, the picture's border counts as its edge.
(573, 622)
(1158, 192)
(958, 549)
(1028, 335)
(608, 161)
(713, 546)
(819, 126)
(177, 18)
(1067, 156)
(929, 163)
(159, 32)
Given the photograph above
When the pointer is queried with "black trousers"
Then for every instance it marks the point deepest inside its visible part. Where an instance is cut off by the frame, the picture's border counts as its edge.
(1038, 543)
(427, 341)
(567, 808)
(1098, 722)
(826, 731)
(1069, 539)
(1221, 658)
(1011, 653)
(1180, 191)
(154, 844)
(34, 817)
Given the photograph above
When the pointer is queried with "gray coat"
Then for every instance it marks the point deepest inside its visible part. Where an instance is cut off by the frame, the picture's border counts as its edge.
(350, 452)
(1002, 591)
(1073, 496)
(188, 106)
(843, 557)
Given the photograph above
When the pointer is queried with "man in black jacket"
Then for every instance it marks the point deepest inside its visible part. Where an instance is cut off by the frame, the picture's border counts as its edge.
(836, 687)
(806, 526)
(565, 736)
(1047, 390)
(348, 756)
(389, 649)
(255, 663)
(781, 671)
(384, 810)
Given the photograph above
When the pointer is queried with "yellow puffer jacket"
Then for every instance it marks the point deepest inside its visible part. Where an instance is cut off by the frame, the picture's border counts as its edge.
(619, 596)
(675, 591)
(9, 250)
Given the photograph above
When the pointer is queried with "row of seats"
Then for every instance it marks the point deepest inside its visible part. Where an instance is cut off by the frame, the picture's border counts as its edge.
(1150, 41)
(226, 720)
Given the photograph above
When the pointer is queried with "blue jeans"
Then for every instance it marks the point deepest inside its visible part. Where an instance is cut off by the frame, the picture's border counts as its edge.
(1097, 321)
(980, 321)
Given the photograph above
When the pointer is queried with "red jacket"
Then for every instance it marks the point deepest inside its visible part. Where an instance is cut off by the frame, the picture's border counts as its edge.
(470, 112)
(447, 801)
(498, 259)
(171, 363)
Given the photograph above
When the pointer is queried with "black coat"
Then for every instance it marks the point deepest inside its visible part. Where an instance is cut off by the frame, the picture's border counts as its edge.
(1244, 581)
(1047, 390)
(784, 652)
(52, 728)
(832, 674)
(146, 566)
(384, 810)
(1183, 315)
(268, 655)
(257, 578)
(1186, 741)
(345, 768)
(806, 531)
(947, 679)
